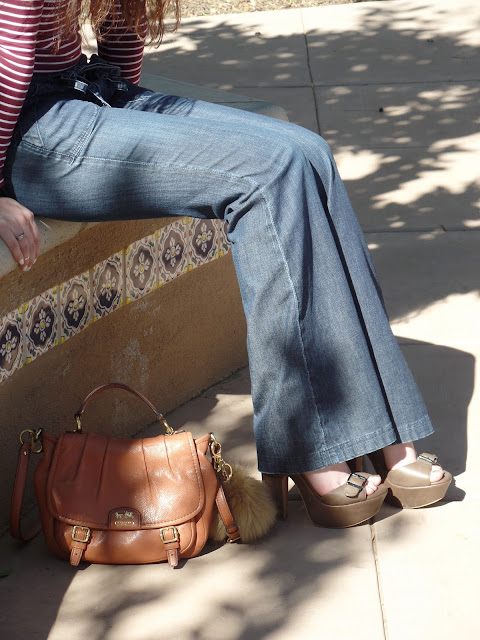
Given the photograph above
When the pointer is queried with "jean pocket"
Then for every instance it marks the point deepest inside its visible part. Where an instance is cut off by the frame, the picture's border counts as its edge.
(27, 126)
(60, 127)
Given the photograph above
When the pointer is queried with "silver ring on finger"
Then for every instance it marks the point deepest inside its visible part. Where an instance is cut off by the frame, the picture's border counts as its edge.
(21, 236)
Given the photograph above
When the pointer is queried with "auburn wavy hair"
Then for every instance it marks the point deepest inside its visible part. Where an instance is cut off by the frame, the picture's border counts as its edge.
(133, 12)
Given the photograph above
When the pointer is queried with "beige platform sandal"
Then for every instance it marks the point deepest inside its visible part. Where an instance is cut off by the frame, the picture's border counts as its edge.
(409, 486)
(346, 506)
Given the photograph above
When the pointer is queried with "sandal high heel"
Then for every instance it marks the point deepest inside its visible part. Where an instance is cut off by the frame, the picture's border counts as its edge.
(409, 486)
(343, 507)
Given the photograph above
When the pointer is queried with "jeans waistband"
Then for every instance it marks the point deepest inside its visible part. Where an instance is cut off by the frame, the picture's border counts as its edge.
(96, 79)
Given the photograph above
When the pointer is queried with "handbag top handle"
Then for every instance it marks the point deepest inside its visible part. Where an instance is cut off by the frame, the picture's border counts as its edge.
(120, 385)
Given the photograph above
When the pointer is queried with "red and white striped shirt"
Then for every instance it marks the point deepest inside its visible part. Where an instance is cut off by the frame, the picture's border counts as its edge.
(27, 44)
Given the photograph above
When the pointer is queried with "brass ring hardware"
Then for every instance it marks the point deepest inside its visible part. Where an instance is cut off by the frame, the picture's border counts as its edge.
(221, 467)
(79, 424)
(165, 424)
(35, 442)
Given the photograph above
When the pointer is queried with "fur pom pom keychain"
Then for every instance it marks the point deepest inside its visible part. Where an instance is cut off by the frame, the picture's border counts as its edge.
(249, 500)
(251, 505)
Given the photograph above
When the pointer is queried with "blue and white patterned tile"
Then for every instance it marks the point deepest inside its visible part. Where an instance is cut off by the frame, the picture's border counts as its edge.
(224, 244)
(75, 306)
(141, 266)
(11, 344)
(172, 246)
(41, 325)
(202, 241)
(107, 286)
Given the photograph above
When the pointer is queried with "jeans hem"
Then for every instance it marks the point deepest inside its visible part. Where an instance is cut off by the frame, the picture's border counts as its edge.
(326, 456)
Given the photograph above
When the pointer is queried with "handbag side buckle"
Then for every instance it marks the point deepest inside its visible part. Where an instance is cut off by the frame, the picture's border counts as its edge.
(174, 533)
(85, 530)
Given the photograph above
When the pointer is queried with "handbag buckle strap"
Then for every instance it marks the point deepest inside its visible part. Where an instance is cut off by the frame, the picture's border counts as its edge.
(75, 533)
(174, 535)
(170, 538)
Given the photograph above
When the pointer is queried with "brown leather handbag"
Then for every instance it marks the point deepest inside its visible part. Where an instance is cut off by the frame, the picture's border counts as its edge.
(120, 501)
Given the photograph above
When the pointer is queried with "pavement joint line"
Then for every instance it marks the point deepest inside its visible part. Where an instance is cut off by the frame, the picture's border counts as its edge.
(310, 74)
(422, 230)
(398, 82)
(379, 580)
(271, 86)
(399, 147)
(439, 228)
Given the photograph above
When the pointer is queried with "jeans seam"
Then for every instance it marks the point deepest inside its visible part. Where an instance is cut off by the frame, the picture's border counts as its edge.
(82, 140)
(42, 151)
(292, 286)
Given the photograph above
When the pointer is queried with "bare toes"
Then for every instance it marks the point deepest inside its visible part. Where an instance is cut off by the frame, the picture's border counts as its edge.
(372, 484)
(437, 473)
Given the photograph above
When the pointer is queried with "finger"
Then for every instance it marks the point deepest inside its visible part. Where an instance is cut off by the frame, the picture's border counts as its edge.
(29, 243)
(27, 248)
(14, 246)
(19, 231)
(36, 239)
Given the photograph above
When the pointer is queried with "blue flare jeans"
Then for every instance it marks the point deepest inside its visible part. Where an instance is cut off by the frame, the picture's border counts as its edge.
(328, 379)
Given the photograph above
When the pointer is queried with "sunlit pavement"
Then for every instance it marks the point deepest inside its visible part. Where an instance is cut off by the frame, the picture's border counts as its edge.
(394, 87)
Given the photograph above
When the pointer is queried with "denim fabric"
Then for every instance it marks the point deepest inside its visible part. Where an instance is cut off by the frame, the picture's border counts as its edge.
(328, 379)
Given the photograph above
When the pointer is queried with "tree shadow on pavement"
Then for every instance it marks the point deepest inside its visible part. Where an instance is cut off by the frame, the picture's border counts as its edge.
(407, 156)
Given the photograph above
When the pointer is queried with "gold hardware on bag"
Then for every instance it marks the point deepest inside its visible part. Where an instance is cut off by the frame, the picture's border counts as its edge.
(165, 424)
(174, 531)
(84, 530)
(219, 464)
(34, 435)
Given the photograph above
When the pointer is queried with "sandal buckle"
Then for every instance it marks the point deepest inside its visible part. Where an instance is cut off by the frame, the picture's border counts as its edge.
(355, 485)
(363, 481)
(428, 457)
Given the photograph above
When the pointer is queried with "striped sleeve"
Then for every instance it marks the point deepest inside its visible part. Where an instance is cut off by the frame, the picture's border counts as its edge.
(121, 46)
(19, 22)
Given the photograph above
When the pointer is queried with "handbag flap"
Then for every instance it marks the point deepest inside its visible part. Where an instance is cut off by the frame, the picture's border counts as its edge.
(117, 483)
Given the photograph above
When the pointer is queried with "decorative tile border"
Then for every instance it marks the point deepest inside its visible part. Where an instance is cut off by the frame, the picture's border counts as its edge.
(107, 286)
(40, 320)
(11, 344)
(68, 308)
(172, 243)
(202, 244)
(75, 306)
(141, 268)
(224, 244)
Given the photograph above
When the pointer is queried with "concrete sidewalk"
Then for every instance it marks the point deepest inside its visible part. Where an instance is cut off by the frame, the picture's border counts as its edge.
(394, 87)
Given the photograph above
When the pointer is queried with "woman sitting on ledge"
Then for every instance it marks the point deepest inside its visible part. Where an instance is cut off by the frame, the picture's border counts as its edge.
(82, 141)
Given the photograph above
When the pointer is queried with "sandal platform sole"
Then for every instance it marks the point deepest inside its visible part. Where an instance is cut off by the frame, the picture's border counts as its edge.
(417, 497)
(339, 516)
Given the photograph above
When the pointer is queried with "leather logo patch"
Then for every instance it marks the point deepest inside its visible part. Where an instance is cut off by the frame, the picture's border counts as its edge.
(124, 518)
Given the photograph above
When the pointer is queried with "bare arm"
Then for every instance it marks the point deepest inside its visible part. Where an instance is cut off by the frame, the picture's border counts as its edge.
(19, 20)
